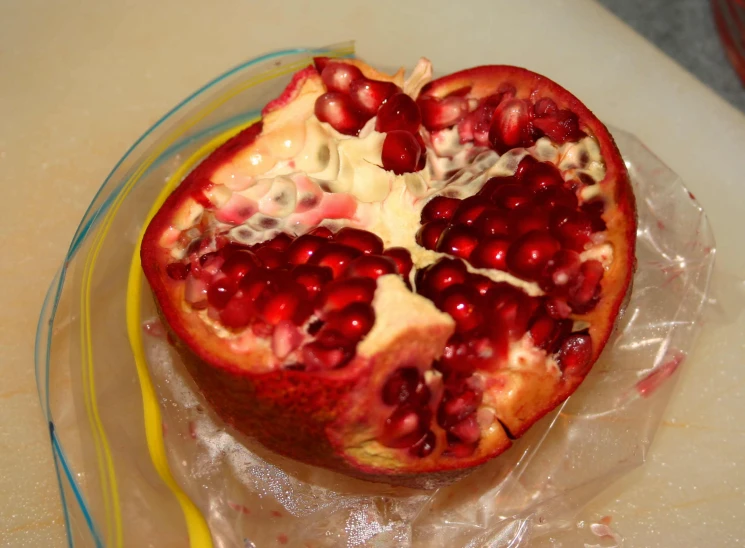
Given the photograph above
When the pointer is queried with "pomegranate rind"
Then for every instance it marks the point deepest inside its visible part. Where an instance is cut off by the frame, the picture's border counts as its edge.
(322, 418)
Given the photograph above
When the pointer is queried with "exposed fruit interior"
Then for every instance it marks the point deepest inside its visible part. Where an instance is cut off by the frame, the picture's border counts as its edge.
(449, 256)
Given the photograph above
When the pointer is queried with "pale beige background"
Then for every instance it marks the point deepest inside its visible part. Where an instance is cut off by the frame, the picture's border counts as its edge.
(81, 80)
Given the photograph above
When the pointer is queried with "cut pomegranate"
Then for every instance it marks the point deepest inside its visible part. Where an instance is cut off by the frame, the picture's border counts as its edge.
(396, 300)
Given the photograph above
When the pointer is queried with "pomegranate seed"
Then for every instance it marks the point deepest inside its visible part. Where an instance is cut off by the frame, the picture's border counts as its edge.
(467, 430)
(560, 127)
(542, 331)
(561, 271)
(511, 197)
(481, 284)
(402, 258)
(341, 293)
(280, 242)
(285, 339)
(195, 292)
(469, 210)
(221, 290)
(523, 221)
(312, 278)
(318, 356)
(525, 166)
(338, 110)
(369, 95)
(371, 266)
(457, 240)
(336, 256)
(573, 228)
(475, 126)
(440, 114)
(238, 312)
(289, 303)
(429, 234)
(405, 427)
(340, 76)
(542, 176)
(461, 303)
(362, 240)
(398, 112)
(406, 385)
(455, 408)
(511, 310)
(439, 207)
(511, 126)
(401, 152)
(492, 184)
(575, 354)
(463, 357)
(178, 271)
(595, 210)
(556, 196)
(422, 163)
(558, 308)
(321, 232)
(435, 278)
(585, 292)
(353, 321)
(544, 107)
(459, 450)
(272, 258)
(491, 253)
(492, 222)
(302, 249)
(424, 447)
(530, 252)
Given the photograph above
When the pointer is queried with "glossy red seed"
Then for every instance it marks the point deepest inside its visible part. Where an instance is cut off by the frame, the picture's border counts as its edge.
(443, 113)
(557, 308)
(339, 76)
(523, 221)
(464, 355)
(238, 312)
(321, 232)
(369, 95)
(480, 283)
(561, 271)
(312, 278)
(423, 156)
(280, 242)
(456, 407)
(573, 228)
(362, 240)
(398, 112)
(335, 256)
(544, 106)
(542, 330)
(429, 234)
(405, 385)
(492, 184)
(302, 249)
(321, 357)
(469, 210)
(240, 263)
(401, 152)
(289, 303)
(475, 126)
(461, 303)
(439, 207)
(467, 430)
(542, 176)
(560, 126)
(511, 197)
(405, 427)
(178, 271)
(220, 291)
(435, 278)
(525, 166)
(529, 254)
(595, 210)
(337, 109)
(492, 222)
(402, 258)
(457, 240)
(353, 321)
(510, 310)
(371, 266)
(424, 447)
(555, 197)
(491, 253)
(575, 354)
(585, 292)
(511, 126)
(341, 293)
(272, 258)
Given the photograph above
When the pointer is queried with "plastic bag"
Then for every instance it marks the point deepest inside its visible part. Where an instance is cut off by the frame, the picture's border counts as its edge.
(143, 462)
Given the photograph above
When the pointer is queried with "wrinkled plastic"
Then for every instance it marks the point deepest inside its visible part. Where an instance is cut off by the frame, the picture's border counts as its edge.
(115, 482)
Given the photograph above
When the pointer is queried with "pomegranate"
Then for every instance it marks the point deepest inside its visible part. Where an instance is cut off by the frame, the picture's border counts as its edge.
(396, 278)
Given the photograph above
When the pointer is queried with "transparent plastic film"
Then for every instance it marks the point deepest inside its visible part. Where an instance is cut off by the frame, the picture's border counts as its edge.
(143, 461)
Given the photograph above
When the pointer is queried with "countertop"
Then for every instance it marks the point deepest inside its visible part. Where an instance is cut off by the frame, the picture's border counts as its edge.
(80, 81)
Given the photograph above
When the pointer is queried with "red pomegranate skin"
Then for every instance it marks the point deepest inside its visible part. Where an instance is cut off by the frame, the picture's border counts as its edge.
(336, 418)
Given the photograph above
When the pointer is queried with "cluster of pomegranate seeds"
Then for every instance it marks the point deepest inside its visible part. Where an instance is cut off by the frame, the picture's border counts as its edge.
(277, 286)
(352, 100)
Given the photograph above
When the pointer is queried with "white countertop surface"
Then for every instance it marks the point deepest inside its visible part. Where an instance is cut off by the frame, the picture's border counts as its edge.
(80, 81)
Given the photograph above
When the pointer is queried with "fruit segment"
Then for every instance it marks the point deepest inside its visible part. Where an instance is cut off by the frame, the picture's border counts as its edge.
(394, 278)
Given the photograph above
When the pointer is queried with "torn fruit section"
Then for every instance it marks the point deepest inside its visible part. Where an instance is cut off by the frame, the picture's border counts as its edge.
(426, 267)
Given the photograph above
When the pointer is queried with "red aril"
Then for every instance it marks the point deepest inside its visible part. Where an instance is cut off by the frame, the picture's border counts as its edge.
(393, 306)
